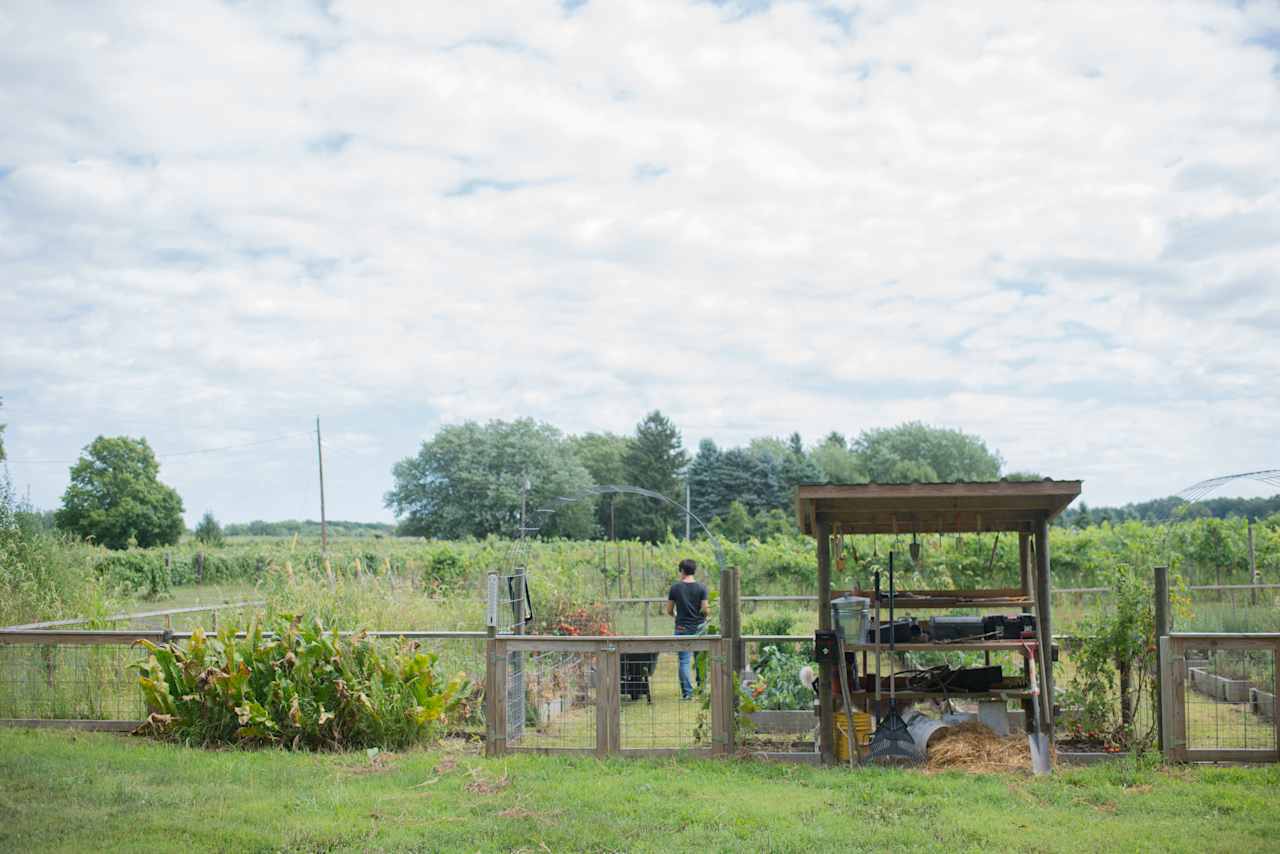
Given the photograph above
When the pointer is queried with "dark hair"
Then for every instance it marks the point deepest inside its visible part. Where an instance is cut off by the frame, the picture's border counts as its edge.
(688, 566)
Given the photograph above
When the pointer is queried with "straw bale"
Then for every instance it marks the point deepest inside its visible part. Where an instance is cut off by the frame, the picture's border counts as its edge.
(972, 746)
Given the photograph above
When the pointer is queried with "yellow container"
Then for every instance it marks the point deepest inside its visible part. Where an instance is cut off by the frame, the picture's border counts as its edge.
(862, 724)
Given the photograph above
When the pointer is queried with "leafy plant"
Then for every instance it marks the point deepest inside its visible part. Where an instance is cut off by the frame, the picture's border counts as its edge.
(777, 684)
(302, 687)
(1115, 661)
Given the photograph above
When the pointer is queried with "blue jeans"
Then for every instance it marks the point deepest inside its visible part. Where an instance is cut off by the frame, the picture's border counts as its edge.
(686, 664)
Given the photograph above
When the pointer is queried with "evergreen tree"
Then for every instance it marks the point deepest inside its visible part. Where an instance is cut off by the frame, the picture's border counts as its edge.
(655, 460)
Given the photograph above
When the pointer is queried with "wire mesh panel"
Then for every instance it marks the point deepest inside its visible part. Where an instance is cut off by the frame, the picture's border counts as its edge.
(1229, 698)
(660, 709)
(63, 681)
(557, 700)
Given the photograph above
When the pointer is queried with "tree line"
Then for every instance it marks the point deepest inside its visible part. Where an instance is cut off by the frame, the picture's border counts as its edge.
(469, 480)
(473, 480)
(1171, 509)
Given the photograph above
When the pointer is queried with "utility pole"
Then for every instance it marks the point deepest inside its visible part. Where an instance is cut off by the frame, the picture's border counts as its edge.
(687, 510)
(324, 527)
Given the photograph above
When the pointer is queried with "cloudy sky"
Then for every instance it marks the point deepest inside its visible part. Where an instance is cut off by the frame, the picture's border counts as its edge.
(1054, 225)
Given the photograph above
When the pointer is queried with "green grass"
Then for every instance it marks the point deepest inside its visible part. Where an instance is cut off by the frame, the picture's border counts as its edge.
(74, 792)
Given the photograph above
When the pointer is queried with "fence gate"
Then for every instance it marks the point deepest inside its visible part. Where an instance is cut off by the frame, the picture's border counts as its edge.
(1218, 697)
(609, 695)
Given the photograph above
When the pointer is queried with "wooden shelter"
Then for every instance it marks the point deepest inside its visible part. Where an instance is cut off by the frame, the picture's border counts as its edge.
(1021, 507)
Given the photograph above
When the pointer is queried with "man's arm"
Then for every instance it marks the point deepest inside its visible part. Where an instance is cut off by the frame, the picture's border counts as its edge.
(671, 604)
(706, 607)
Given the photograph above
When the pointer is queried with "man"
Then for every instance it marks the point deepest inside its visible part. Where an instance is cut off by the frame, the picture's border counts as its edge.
(687, 602)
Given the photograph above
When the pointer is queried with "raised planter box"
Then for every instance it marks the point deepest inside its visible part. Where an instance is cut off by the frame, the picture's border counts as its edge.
(1232, 690)
(1199, 679)
(784, 721)
(1262, 704)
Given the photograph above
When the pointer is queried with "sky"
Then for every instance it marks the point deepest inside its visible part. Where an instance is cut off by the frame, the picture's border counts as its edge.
(1055, 225)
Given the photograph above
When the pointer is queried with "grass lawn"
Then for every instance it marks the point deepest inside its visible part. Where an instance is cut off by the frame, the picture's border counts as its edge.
(76, 792)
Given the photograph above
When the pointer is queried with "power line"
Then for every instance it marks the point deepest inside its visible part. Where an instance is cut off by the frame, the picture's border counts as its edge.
(188, 453)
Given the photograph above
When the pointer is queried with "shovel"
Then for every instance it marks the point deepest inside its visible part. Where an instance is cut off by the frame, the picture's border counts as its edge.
(1037, 740)
(892, 743)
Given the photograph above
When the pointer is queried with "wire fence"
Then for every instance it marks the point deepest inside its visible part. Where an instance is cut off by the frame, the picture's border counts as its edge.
(88, 675)
(70, 681)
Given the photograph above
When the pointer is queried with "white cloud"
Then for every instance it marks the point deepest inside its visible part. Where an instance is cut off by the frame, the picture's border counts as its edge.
(1054, 225)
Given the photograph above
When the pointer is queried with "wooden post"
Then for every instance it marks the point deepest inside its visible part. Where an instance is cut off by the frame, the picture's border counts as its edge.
(644, 591)
(199, 567)
(1024, 581)
(491, 674)
(1044, 625)
(1162, 630)
(826, 719)
(738, 661)
(1253, 576)
(501, 701)
(608, 701)
(324, 525)
(1275, 701)
(1165, 693)
(1024, 563)
(721, 699)
(1176, 699)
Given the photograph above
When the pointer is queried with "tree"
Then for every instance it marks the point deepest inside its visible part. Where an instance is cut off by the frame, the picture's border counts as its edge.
(604, 456)
(920, 453)
(209, 531)
(115, 496)
(794, 466)
(654, 460)
(835, 462)
(468, 479)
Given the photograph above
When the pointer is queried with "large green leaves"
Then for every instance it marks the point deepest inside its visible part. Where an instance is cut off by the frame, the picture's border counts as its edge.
(300, 686)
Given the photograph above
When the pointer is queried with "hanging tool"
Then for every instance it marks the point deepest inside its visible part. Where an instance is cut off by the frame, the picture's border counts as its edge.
(915, 548)
(877, 636)
(892, 742)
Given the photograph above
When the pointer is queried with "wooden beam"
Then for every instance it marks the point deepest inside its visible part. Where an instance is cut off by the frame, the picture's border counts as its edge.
(77, 638)
(974, 488)
(826, 718)
(1024, 563)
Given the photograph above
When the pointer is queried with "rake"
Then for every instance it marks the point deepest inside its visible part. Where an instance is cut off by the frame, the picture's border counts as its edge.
(892, 743)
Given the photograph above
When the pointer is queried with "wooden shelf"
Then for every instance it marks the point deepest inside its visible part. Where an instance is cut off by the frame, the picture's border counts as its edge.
(1002, 693)
(960, 646)
(1000, 597)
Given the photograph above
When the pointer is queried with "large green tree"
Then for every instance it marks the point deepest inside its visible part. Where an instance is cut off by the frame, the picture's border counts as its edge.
(115, 496)
(917, 452)
(837, 463)
(604, 456)
(468, 479)
(654, 460)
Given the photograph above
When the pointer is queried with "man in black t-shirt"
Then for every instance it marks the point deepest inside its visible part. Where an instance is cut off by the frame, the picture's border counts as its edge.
(687, 602)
